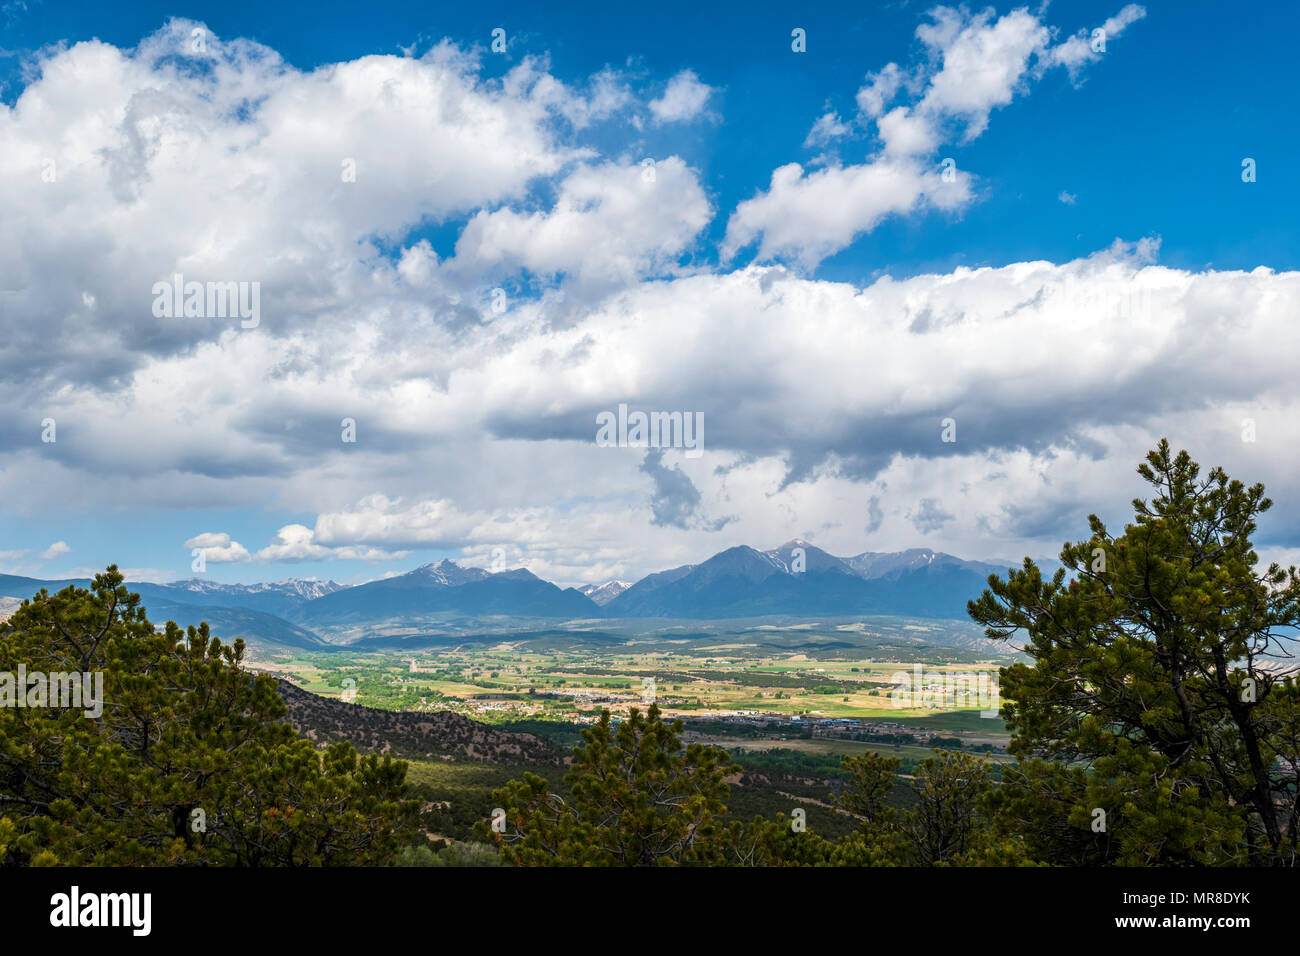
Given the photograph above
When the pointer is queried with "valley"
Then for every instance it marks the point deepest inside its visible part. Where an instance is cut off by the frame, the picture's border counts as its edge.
(790, 660)
(786, 702)
(800, 689)
(505, 682)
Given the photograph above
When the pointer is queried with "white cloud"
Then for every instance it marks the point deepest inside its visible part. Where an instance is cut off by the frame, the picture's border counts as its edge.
(828, 128)
(808, 216)
(57, 550)
(609, 222)
(378, 519)
(879, 91)
(1054, 372)
(983, 61)
(1078, 51)
(218, 548)
(976, 64)
(296, 542)
(234, 166)
(606, 95)
(683, 100)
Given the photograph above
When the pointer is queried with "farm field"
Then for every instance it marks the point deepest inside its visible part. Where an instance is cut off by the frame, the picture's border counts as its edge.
(816, 705)
(504, 684)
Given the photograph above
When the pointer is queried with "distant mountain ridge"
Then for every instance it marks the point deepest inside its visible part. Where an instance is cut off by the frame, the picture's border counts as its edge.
(794, 579)
(448, 587)
(279, 598)
(800, 578)
(229, 620)
(305, 588)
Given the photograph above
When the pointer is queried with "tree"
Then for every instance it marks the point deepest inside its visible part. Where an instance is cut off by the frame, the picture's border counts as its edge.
(1162, 728)
(946, 823)
(764, 842)
(949, 819)
(190, 760)
(637, 797)
(870, 777)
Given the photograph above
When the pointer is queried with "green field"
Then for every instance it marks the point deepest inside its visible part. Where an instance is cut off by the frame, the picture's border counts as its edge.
(505, 684)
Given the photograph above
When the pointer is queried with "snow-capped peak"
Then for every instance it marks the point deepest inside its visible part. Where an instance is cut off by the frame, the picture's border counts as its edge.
(447, 572)
(602, 594)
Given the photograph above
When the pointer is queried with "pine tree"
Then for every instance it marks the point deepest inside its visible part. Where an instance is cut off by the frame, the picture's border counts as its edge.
(1153, 723)
(190, 761)
(637, 797)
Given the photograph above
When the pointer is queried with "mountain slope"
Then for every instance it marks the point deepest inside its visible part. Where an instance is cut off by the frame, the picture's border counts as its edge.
(871, 565)
(440, 734)
(259, 630)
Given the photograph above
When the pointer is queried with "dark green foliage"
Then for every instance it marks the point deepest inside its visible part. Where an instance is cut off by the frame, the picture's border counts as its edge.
(637, 797)
(1153, 696)
(190, 761)
(456, 854)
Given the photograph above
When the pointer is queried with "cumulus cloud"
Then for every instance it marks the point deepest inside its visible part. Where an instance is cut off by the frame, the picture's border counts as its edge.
(879, 90)
(395, 522)
(296, 542)
(984, 64)
(57, 550)
(568, 543)
(683, 100)
(830, 395)
(218, 548)
(1131, 344)
(609, 222)
(230, 165)
(974, 65)
(807, 216)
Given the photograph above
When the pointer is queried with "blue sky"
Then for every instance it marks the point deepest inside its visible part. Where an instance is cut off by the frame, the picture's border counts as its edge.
(474, 439)
(1150, 145)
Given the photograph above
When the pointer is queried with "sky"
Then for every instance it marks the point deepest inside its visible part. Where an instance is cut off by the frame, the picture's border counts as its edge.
(925, 275)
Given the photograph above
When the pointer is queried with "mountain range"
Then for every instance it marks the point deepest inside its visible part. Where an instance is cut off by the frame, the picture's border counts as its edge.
(795, 579)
